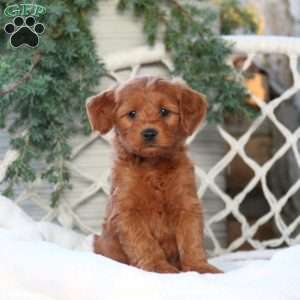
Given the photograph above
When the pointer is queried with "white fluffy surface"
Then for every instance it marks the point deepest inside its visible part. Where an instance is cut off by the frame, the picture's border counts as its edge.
(42, 261)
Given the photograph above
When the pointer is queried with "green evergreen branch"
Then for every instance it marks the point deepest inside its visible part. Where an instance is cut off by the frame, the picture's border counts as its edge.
(46, 88)
(179, 7)
(14, 85)
(199, 55)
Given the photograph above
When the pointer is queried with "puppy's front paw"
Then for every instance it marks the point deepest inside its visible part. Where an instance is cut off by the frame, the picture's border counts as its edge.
(162, 267)
(167, 268)
(203, 267)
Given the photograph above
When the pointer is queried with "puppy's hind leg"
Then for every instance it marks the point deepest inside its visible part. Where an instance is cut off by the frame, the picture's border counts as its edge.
(109, 247)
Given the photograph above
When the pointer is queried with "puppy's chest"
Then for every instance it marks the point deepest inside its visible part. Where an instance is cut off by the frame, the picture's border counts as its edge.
(157, 206)
(158, 183)
(151, 192)
(158, 192)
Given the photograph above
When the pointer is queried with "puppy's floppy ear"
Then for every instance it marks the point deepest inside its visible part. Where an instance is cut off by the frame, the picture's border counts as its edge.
(100, 110)
(193, 108)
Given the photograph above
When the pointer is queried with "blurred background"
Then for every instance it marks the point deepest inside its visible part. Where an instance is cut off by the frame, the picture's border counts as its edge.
(57, 170)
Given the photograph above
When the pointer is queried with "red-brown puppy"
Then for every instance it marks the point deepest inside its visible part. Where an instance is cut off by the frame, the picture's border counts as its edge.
(154, 217)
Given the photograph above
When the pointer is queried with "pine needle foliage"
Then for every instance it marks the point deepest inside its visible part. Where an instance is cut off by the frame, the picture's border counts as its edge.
(199, 55)
(45, 88)
(234, 16)
(52, 83)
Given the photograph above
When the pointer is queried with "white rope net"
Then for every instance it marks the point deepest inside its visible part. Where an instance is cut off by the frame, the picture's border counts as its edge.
(66, 213)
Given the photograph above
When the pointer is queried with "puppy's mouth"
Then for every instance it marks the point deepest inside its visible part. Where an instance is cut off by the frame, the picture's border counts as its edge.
(152, 145)
(154, 149)
(143, 148)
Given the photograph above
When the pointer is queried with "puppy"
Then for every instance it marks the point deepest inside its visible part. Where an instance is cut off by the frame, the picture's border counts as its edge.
(153, 218)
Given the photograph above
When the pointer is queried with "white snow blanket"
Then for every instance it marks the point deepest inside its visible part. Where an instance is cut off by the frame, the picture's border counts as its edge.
(42, 261)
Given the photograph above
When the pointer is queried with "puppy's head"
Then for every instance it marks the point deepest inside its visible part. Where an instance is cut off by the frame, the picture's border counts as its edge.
(151, 116)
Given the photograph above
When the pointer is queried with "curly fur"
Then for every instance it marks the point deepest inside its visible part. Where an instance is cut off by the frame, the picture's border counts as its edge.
(153, 217)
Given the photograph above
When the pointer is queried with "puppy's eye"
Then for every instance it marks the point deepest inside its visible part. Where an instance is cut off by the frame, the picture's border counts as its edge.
(164, 112)
(132, 114)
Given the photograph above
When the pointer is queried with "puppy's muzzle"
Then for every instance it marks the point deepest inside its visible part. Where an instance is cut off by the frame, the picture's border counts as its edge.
(149, 134)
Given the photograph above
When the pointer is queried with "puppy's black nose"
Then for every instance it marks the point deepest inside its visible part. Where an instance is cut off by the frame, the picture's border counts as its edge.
(149, 134)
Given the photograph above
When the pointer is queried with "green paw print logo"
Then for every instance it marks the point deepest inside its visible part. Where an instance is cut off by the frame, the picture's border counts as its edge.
(24, 30)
